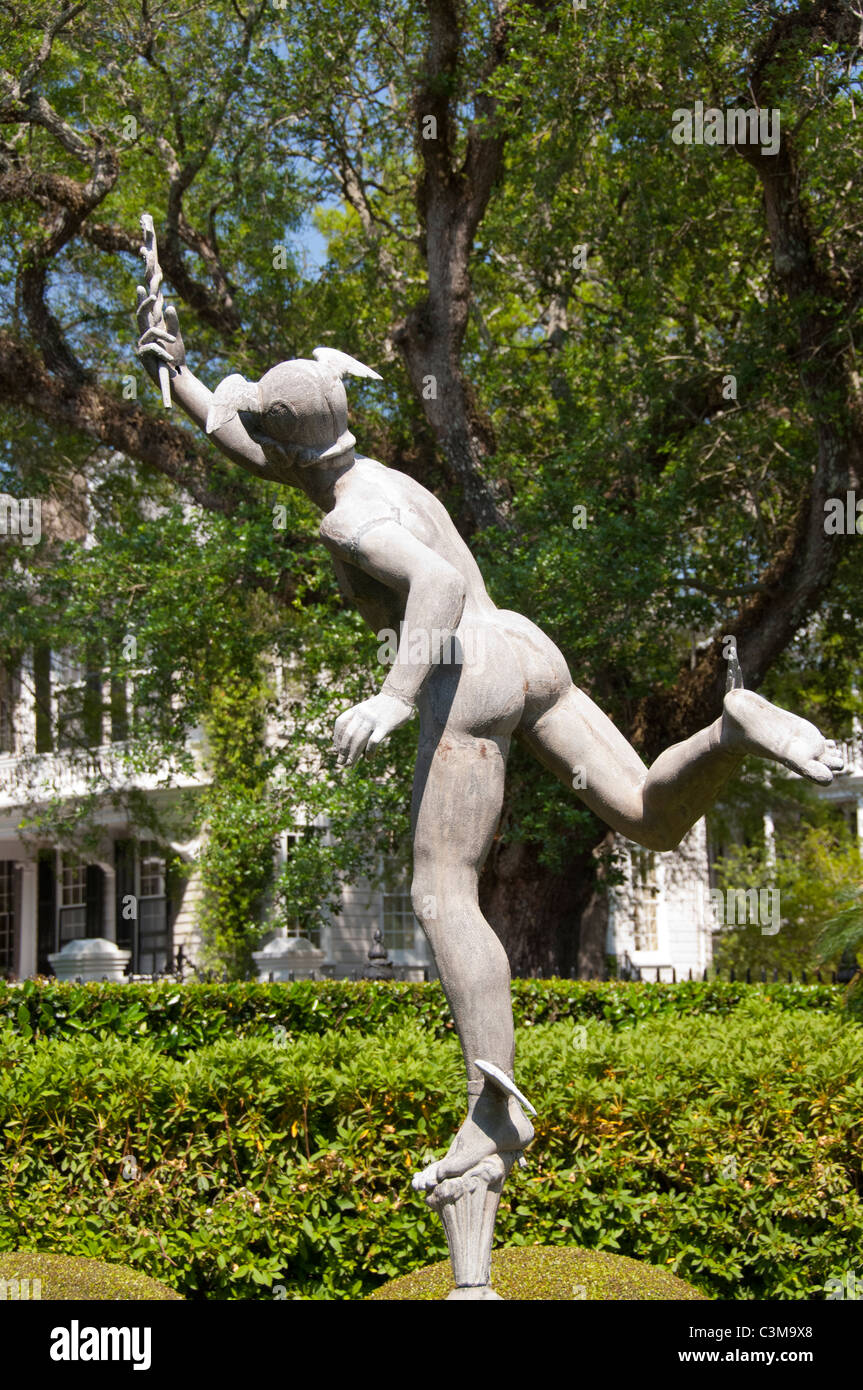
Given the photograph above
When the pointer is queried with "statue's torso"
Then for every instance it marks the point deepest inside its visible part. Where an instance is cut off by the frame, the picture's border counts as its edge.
(509, 666)
(371, 492)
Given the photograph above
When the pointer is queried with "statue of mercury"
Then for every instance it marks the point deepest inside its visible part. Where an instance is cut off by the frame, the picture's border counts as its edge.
(482, 677)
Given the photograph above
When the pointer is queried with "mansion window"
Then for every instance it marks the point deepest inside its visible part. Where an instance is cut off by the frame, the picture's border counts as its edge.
(143, 906)
(73, 899)
(645, 892)
(152, 873)
(71, 903)
(68, 697)
(398, 923)
(295, 923)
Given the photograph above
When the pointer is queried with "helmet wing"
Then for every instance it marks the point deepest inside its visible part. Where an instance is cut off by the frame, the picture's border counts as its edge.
(342, 364)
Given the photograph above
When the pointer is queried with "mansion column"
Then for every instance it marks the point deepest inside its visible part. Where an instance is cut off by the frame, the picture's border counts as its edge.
(27, 919)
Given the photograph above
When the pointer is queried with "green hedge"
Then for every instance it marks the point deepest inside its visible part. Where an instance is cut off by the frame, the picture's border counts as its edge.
(726, 1149)
(180, 1018)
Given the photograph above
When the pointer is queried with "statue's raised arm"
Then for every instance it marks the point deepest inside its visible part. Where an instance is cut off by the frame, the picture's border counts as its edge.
(163, 354)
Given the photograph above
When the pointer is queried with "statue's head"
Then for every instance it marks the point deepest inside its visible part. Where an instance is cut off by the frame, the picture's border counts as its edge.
(298, 411)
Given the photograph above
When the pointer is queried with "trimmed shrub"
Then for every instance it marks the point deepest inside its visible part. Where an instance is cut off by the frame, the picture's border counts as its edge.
(725, 1149)
(180, 1018)
(70, 1276)
(542, 1272)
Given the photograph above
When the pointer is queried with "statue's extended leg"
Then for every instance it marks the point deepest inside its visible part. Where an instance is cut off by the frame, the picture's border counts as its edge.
(457, 800)
(656, 807)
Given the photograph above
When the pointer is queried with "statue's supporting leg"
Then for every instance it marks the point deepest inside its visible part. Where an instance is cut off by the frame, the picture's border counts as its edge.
(457, 801)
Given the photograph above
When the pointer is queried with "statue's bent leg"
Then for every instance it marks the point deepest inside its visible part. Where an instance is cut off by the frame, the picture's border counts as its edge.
(656, 807)
(458, 794)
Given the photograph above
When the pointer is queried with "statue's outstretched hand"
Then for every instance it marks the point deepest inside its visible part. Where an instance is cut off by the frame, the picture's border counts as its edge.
(159, 341)
(364, 726)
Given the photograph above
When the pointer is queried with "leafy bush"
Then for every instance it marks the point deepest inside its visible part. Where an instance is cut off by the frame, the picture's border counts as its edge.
(178, 1018)
(725, 1149)
(812, 869)
(842, 938)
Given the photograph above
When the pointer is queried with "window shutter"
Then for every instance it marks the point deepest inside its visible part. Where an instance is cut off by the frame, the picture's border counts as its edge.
(42, 684)
(46, 912)
(95, 901)
(9, 692)
(124, 863)
(175, 887)
(91, 710)
(119, 710)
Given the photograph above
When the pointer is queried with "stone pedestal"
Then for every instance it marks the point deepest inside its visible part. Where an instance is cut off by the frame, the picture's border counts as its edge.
(90, 958)
(467, 1207)
(290, 958)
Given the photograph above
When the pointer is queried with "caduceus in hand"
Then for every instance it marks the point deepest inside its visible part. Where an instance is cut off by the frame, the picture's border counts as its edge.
(162, 325)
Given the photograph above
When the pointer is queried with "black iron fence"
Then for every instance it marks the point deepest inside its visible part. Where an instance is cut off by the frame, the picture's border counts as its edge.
(667, 974)
(621, 969)
(644, 974)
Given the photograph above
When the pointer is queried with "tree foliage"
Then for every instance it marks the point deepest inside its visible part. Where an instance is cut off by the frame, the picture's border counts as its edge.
(811, 869)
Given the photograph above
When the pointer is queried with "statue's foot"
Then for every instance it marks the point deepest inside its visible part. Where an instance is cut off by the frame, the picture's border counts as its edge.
(751, 724)
(495, 1124)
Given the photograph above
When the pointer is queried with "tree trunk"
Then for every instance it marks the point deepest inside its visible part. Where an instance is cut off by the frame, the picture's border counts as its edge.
(548, 923)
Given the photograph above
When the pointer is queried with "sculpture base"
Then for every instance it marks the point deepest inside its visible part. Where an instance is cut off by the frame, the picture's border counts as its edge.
(467, 1207)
